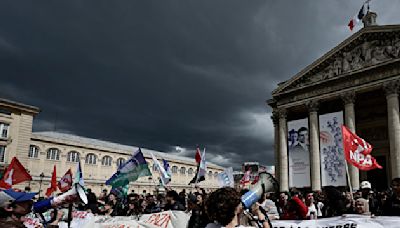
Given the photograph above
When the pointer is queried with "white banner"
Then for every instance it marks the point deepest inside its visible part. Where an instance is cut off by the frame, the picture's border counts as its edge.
(166, 219)
(333, 169)
(179, 219)
(299, 156)
(347, 221)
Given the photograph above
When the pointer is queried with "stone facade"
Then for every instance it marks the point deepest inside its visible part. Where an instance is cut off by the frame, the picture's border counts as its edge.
(40, 151)
(359, 77)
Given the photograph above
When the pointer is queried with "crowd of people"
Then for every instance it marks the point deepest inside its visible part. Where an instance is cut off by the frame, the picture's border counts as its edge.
(223, 207)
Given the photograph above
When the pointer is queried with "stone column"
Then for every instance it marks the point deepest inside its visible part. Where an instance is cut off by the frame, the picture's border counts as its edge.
(350, 122)
(275, 121)
(283, 155)
(392, 98)
(314, 146)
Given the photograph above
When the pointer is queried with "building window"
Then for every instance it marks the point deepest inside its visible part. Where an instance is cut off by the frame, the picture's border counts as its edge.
(106, 161)
(73, 156)
(4, 130)
(53, 154)
(209, 173)
(120, 161)
(33, 151)
(215, 174)
(2, 153)
(183, 170)
(155, 168)
(174, 169)
(190, 171)
(90, 159)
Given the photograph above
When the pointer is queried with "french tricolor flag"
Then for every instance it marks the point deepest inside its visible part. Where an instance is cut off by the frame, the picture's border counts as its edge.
(355, 20)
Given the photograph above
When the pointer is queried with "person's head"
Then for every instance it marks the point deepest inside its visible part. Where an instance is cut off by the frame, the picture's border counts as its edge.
(150, 199)
(309, 199)
(112, 197)
(223, 205)
(172, 196)
(199, 198)
(293, 136)
(303, 135)
(131, 205)
(15, 204)
(396, 186)
(283, 197)
(89, 190)
(192, 201)
(365, 188)
(362, 206)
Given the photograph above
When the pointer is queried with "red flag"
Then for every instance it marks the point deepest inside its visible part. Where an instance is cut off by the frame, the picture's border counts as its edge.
(357, 151)
(66, 181)
(53, 183)
(198, 155)
(15, 173)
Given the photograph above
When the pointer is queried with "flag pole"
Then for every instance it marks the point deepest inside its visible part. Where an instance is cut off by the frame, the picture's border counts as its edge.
(349, 181)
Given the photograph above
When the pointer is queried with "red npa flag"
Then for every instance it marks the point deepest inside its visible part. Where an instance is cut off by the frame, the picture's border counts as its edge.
(357, 151)
(66, 181)
(198, 156)
(15, 173)
(53, 183)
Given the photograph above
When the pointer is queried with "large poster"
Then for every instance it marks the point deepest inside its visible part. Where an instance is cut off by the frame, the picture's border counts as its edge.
(299, 156)
(333, 169)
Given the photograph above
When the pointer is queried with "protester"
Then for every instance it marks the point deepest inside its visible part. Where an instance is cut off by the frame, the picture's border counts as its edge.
(392, 204)
(362, 206)
(173, 203)
(198, 217)
(223, 207)
(368, 194)
(13, 207)
(314, 208)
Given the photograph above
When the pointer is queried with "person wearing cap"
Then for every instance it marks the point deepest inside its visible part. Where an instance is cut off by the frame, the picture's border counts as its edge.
(368, 194)
(14, 206)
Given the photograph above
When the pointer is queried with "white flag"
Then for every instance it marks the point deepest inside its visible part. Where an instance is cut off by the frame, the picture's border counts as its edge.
(165, 178)
(226, 178)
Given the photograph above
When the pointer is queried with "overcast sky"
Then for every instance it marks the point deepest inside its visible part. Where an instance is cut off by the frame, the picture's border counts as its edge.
(167, 75)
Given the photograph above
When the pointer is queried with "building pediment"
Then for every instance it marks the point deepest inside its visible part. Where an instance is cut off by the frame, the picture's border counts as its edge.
(370, 47)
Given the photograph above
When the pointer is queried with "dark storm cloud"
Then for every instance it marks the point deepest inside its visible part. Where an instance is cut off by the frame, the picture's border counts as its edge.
(158, 74)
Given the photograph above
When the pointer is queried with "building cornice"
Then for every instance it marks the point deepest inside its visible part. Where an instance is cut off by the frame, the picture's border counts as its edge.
(19, 106)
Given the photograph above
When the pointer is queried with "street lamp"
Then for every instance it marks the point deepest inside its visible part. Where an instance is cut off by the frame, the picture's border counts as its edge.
(40, 182)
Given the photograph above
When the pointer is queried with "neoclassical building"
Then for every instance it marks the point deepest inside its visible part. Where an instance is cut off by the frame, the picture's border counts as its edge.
(40, 151)
(360, 78)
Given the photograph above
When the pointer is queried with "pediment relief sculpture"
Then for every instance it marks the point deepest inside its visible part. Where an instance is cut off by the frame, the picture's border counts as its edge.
(367, 54)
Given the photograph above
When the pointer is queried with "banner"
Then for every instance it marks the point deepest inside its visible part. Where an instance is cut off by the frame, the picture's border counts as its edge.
(166, 219)
(347, 221)
(333, 169)
(299, 156)
(175, 219)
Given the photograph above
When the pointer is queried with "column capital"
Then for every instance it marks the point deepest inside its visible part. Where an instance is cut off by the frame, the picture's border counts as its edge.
(348, 97)
(312, 106)
(391, 87)
(282, 113)
(275, 117)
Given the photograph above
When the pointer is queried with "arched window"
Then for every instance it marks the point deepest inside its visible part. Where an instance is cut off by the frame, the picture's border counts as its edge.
(210, 173)
(53, 154)
(155, 168)
(33, 151)
(120, 161)
(215, 175)
(73, 156)
(183, 170)
(90, 159)
(174, 169)
(190, 171)
(106, 161)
